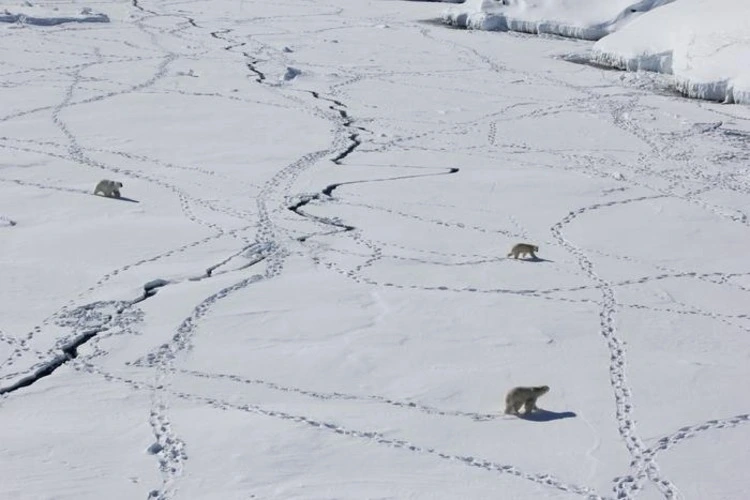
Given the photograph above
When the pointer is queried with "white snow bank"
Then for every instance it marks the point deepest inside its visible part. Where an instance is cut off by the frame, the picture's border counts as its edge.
(586, 19)
(6, 222)
(705, 45)
(28, 13)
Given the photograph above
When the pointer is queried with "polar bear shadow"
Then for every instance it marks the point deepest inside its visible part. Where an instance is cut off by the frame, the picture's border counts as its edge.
(114, 198)
(542, 415)
(535, 259)
(122, 198)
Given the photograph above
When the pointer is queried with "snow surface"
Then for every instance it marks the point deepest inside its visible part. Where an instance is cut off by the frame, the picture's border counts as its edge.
(303, 292)
(705, 45)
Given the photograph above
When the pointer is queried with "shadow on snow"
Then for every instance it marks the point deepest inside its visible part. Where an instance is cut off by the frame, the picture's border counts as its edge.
(546, 415)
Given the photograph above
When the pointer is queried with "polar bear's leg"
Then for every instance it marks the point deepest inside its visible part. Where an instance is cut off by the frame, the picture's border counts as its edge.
(530, 405)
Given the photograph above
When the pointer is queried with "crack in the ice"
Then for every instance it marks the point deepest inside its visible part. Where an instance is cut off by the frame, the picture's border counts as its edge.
(328, 193)
(69, 352)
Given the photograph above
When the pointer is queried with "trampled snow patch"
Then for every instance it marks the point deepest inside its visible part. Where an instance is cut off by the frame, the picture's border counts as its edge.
(706, 46)
(29, 13)
(585, 19)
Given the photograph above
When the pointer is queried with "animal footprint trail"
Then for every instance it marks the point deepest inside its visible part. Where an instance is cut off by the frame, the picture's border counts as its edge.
(38, 185)
(359, 278)
(635, 483)
(341, 396)
(719, 278)
(546, 480)
(185, 200)
(624, 488)
(165, 354)
(77, 152)
(714, 278)
(169, 449)
(174, 459)
(266, 249)
(692, 431)
(439, 222)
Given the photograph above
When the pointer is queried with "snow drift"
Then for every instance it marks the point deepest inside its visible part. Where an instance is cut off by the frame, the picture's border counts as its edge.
(706, 46)
(27, 13)
(585, 19)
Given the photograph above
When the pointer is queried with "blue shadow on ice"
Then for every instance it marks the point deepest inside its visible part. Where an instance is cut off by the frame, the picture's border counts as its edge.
(530, 259)
(121, 198)
(546, 415)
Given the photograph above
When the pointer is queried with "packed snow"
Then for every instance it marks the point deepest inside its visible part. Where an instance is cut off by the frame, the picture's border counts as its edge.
(304, 290)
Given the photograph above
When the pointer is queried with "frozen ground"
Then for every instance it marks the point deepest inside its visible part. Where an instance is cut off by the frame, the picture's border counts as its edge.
(303, 293)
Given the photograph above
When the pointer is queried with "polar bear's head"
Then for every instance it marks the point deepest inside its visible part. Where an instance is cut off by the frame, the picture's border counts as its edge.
(117, 185)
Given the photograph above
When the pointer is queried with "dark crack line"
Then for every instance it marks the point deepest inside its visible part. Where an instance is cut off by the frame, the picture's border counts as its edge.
(334, 101)
(231, 46)
(348, 123)
(69, 351)
(328, 193)
(355, 143)
(137, 5)
(260, 77)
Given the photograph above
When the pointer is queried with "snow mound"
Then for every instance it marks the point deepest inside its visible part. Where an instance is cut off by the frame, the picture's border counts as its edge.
(705, 45)
(585, 19)
(290, 74)
(6, 222)
(154, 284)
(28, 13)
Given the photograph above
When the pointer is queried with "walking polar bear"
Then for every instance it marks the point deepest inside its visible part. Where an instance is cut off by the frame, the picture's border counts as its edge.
(524, 249)
(108, 188)
(524, 396)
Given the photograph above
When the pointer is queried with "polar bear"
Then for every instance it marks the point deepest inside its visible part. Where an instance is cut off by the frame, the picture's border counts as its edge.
(524, 249)
(108, 188)
(524, 396)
